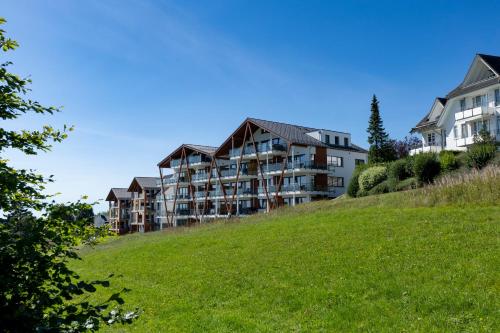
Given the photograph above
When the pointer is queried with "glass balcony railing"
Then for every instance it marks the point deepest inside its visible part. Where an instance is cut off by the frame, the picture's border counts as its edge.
(261, 148)
(198, 159)
(310, 165)
(295, 188)
(200, 177)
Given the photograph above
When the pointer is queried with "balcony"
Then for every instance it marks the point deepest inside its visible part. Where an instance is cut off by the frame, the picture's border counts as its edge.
(197, 160)
(297, 166)
(232, 173)
(297, 188)
(173, 180)
(476, 111)
(426, 149)
(248, 151)
(199, 177)
(180, 197)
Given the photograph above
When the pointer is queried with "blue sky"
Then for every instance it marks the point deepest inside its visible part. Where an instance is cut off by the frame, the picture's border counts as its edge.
(138, 78)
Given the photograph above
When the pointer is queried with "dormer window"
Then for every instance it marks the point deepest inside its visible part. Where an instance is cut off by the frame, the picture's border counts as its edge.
(337, 140)
(346, 142)
(327, 138)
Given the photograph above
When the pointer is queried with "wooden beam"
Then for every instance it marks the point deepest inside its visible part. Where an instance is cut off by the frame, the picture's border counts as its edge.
(177, 186)
(220, 182)
(191, 188)
(238, 169)
(207, 186)
(282, 174)
(264, 181)
(164, 197)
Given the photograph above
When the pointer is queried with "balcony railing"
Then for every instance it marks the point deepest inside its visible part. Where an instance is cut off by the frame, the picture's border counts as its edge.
(296, 188)
(310, 165)
(475, 111)
(200, 177)
(261, 148)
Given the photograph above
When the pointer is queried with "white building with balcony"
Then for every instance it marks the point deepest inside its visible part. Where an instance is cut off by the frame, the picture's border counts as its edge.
(262, 165)
(454, 120)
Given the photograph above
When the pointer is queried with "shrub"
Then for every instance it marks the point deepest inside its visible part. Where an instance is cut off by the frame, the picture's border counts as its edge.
(398, 170)
(371, 177)
(426, 167)
(479, 154)
(448, 161)
(353, 187)
(383, 187)
(407, 184)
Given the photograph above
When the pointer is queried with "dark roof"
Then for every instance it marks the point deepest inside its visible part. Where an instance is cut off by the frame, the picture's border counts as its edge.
(118, 193)
(293, 134)
(207, 150)
(141, 183)
(460, 90)
(425, 122)
(492, 61)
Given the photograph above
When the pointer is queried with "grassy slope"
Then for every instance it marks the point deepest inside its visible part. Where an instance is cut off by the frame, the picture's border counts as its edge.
(372, 264)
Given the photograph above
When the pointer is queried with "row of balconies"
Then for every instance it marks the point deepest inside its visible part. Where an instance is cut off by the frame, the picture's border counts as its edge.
(192, 160)
(261, 148)
(266, 169)
(246, 192)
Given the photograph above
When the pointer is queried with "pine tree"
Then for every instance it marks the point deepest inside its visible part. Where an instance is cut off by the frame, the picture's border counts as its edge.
(381, 149)
(376, 133)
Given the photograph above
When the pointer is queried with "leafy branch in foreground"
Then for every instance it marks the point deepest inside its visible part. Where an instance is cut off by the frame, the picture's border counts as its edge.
(38, 238)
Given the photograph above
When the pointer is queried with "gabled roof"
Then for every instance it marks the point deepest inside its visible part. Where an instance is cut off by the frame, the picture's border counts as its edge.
(292, 134)
(118, 194)
(206, 150)
(427, 121)
(491, 62)
(142, 183)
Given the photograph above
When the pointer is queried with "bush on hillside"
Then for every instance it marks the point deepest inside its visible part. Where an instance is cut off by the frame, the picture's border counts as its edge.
(448, 161)
(407, 184)
(353, 187)
(482, 151)
(371, 177)
(398, 170)
(426, 167)
(384, 187)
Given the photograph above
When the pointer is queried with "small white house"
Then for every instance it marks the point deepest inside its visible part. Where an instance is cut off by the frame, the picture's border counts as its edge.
(454, 120)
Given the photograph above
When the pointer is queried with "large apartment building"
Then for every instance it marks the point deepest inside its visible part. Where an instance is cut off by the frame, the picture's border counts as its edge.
(119, 217)
(454, 120)
(260, 166)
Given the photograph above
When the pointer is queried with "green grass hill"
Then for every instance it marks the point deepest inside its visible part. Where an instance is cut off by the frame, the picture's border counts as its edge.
(424, 260)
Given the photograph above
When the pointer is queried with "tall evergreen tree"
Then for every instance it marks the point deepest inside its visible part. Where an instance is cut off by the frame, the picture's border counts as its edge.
(376, 133)
(381, 149)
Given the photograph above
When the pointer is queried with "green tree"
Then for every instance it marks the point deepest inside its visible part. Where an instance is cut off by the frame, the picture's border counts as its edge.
(381, 149)
(38, 291)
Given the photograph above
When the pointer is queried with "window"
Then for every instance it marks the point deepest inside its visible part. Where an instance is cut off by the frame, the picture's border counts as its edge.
(327, 138)
(455, 132)
(276, 141)
(263, 131)
(336, 181)
(346, 142)
(464, 131)
(443, 136)
(337, 140)
(478, 101)
(335, 161)
(431, 139)
(301, 180)
(497, 97)
(462, 104)
(359, 161)
(263, 203)
(498, 124)
(299, 200)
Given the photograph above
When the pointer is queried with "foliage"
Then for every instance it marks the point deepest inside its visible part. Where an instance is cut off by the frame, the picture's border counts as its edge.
(371, 177)
(38, 237)
(398, 170)
(448, 161)
(426, 167)
(417, 261)
(353, 187)
(407, 184)
(381, 149)
(481, 151)
(402, 147)
(383, 187)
